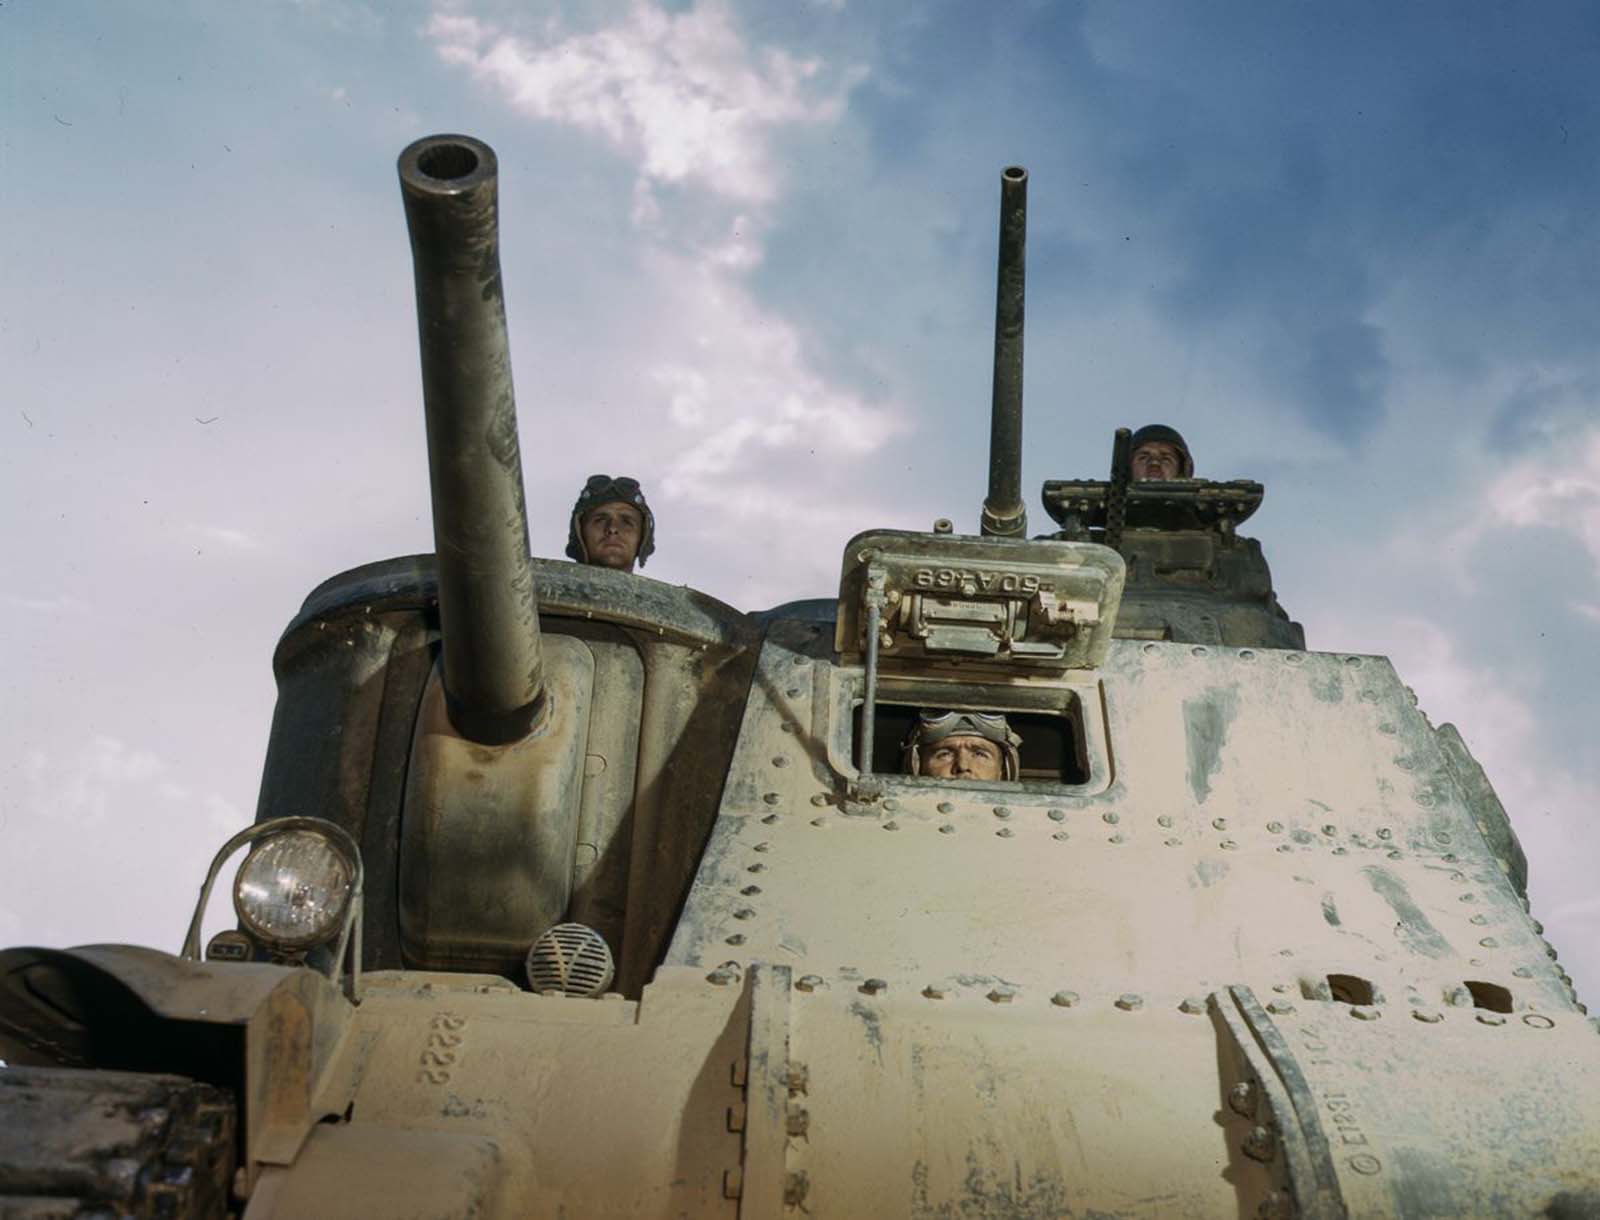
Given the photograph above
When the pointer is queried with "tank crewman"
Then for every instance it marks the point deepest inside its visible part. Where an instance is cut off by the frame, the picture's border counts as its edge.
(962, 745)
(1159, 452)
(612, 525)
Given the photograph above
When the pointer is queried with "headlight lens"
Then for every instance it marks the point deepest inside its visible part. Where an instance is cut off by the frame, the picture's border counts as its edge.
(292, 890)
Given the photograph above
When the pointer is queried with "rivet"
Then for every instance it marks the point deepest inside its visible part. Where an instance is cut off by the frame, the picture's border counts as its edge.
(1242, 1098)
(750, 890)
(1425, 800)
(1171, 842)
(1537, 1020)
(1056, 815)
(793, 692)
(1283, 988)
(1404, 763)
(1489, 942)
(736, 939)
(1341, 851)
(1280, 1008)
(1364, 1012)
(946, 807)
(1387, 729)
(1111, 817)
(1129, 1002)
(947, 829)
(1116, 838)
(1199, 650)
(891, 825)
(1284, 847)
(1293, 658)
(780, 760)
(1001, 995)
(1353, 662)
(819, 822)
(1002, 811)
(1394, 855)
(1490, 1018)
(745, 913)
(1150, 650)
(874, 987)
(721, 977)
(1258, 1144)
(1385, 833)
(1246, 655)
(769, 819)
(809, 982)
(1427, 1015)
(1285, 952)
(1165, 820)
(1330, 829)
(1468, 898)
(1061, 836)
(1005, 832)
(1192, 1005)
(1219, 823)
(1275, 827)
(1458, 876)
(757, 867)
(1522, 972)
(772, 798)
(1227, 845)
(819, 799)
(1538, 928)
(934, 992)
(762, 847)
(1480, 918)
(1064, 999)
(732, 1183)
(891, 806)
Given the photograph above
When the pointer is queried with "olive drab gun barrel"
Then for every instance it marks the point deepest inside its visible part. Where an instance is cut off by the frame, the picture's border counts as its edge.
(488, 606)
(1004, 514)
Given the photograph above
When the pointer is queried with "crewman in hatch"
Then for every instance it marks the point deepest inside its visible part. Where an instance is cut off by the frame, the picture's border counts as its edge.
(612, 525)
(962, 745)
(1159, 452)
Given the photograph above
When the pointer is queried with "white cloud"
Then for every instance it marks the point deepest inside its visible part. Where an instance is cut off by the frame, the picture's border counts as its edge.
(1559, 493)
(681, 93)
(237, 539)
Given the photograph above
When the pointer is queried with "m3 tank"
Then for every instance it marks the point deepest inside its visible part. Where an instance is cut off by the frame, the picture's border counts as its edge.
(573, 893)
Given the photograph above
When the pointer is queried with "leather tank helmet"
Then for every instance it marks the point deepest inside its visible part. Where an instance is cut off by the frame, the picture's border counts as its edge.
(932, 727)
(605, 489)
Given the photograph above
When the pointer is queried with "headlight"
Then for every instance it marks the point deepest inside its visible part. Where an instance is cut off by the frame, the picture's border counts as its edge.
(292, 889)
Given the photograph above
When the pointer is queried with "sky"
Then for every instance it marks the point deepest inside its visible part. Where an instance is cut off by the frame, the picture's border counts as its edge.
(1350, 250)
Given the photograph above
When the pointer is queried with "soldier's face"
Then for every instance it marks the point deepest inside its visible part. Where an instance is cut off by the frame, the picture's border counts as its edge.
(962, 757)
(611, 535)
(1156, 460)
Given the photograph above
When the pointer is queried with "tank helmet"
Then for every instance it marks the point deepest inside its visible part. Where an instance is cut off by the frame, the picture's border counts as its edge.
(1161, 434)
(604, 489)
(934, 726)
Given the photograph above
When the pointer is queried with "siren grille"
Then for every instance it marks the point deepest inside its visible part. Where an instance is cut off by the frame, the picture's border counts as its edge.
(571, 958)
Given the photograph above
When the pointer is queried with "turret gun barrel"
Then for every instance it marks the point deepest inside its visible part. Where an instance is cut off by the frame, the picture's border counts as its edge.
(488, 607)
(1004, 514)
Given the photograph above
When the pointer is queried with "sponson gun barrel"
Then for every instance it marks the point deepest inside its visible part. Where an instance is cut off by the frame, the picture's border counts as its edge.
(1004, 514)
(488, 607)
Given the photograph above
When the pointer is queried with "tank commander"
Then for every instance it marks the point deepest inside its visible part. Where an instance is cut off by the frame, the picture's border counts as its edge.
(612, 525)
(1159, 452)
(962, 745)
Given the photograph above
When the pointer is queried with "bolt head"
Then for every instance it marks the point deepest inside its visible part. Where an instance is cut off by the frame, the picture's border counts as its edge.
(874, 987)
(809, 982)
(1002, 811)
(934, 992)
(1064, 999)
(1193, 1005)
(1242, 1098)
(1364, 1012)
(1002, 995)
(772, 798)
(1490, 1018)
(1427, 1016)
(1129, 1002)
(721, 976)
(1259, 1144)
(947, 829)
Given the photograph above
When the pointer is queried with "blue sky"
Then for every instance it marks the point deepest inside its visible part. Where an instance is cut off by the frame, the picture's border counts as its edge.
(1349, 249)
